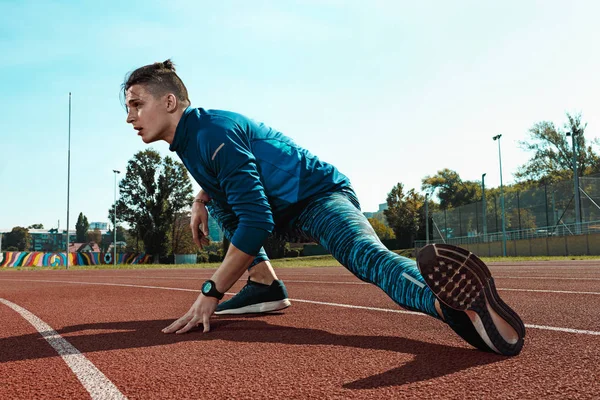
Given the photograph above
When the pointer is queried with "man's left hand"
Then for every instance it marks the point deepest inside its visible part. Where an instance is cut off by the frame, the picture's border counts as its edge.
(199, 313)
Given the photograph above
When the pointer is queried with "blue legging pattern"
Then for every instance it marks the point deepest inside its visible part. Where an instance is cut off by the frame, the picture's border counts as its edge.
(335, 221)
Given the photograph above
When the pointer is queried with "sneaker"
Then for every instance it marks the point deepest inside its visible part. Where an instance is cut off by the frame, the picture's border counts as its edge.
(462, 282)
(256, 298)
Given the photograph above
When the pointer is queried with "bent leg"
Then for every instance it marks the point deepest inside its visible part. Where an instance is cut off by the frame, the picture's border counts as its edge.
(335, 221)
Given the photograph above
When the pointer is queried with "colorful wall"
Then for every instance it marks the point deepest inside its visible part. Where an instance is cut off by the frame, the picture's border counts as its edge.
(39, 259)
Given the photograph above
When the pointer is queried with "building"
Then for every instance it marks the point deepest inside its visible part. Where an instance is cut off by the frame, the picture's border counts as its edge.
(378, 215)
(103, 226)
(50, 239)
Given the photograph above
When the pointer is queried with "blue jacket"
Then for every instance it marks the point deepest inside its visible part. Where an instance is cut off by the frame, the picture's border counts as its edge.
(259, 173)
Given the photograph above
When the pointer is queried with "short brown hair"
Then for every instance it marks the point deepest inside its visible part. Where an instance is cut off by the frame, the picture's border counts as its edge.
(160, 78)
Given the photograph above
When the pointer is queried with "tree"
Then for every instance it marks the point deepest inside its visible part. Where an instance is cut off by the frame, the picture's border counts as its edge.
(453, 191)
(94, 236)
(183, 241)
(36, 226)
(18, 238)
(153, 191)
(553, 152)
(81, 228)
(134, 242)
(383, 232)
(405, 215)
(275, 246)
(109, 238)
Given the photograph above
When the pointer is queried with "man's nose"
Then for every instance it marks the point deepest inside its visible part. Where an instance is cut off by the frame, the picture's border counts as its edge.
(129, 118)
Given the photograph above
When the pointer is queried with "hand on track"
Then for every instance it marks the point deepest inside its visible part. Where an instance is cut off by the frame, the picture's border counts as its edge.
(199, 313)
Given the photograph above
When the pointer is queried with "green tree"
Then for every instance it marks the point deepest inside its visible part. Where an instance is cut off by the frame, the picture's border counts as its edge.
(81, 227)
(183, 241)
(36, 226)
(94, 236)
(109, 238)
(134, 243)
(552, 149)
(153, 191)
(383, 231)
(405, 215)
(276, 247)
(453, 191)
(18, 238)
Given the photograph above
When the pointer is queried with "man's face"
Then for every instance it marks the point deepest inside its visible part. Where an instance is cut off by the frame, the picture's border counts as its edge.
(148, 115)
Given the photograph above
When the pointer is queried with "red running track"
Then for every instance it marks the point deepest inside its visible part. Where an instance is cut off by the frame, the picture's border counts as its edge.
(318, 348)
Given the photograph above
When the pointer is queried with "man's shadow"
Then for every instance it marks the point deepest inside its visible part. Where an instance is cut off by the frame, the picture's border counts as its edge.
(430, 360)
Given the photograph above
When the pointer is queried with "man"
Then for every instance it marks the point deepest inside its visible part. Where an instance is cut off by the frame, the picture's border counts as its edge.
(256, 181)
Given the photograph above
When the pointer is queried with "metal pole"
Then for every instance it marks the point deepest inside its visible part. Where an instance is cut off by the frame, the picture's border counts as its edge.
(546, 199)
(445, 225)
(484, 206)
(426, 219)
(496, 213)
(576, 184)
(68, 183)
(519, 209)
(459, 222)
(115, 221)
(497, 137)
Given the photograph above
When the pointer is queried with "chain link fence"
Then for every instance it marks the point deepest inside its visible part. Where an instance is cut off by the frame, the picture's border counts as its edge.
(547, 210)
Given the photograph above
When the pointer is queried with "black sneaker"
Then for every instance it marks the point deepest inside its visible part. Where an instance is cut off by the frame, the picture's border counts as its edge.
(461, 282)
(256, 298)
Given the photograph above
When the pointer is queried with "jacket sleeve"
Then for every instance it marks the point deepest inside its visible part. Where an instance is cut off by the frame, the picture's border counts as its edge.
(235, 167)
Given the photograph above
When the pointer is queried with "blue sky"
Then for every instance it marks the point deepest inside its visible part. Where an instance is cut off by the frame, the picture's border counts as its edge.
(388, 91)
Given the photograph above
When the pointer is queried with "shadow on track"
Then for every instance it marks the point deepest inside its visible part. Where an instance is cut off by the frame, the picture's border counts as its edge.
(430, 360)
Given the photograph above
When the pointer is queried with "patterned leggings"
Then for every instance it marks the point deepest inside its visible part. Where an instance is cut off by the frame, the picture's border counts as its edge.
(335, 221)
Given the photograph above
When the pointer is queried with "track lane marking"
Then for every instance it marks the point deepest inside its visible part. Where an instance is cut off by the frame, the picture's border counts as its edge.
(93, 380)
(187, 278)
(551, 278)
(532, 326)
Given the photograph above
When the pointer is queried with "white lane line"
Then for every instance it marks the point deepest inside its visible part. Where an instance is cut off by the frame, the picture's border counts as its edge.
(197, 290)
(548, 291)
(357, 282)
(541, 327)
(323, 303)
(568, 330)
(552, 278)
(93, 380)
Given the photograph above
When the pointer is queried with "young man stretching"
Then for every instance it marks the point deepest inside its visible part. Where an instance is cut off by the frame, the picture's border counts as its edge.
(255, 181)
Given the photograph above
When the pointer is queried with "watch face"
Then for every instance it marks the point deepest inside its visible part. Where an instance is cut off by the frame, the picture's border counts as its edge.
(206, 287)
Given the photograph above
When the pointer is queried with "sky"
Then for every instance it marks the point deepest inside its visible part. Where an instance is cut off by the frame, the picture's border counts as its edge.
(387, 91)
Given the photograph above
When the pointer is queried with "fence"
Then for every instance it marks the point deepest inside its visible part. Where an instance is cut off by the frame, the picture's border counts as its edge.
(548, 210)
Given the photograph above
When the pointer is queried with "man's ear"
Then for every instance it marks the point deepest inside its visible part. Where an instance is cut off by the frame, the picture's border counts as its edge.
(172, 102)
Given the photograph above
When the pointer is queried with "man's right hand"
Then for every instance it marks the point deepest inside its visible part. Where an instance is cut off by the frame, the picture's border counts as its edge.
(199, 224)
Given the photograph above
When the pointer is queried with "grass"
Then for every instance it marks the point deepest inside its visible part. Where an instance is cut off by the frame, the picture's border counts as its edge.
(297, 262)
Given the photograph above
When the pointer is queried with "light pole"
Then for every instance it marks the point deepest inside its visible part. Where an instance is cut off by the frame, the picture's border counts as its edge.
(68, 183)
(576, 183)
(115, 221)
(483, 205)
(426, 219)
(497, 137)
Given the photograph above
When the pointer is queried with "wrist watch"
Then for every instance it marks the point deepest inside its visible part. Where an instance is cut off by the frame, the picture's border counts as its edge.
(209, 289)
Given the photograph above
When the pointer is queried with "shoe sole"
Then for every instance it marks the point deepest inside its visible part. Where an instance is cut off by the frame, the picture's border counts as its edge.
(258, 308)
(463, 282)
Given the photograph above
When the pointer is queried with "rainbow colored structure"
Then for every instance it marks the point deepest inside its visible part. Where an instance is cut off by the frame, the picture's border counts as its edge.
(40, 259)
